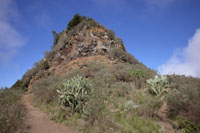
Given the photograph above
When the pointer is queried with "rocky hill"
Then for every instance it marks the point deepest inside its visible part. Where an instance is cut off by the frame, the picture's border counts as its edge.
(90, 82)
(88, 40)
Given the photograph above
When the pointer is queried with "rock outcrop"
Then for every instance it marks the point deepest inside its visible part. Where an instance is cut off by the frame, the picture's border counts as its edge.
(86, 39)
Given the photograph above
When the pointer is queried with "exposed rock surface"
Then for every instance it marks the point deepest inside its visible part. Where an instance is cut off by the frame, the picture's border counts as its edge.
(86, 40)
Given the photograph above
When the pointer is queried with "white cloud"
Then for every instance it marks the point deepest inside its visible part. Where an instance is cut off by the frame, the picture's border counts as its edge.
(186, 61)
(10, 38)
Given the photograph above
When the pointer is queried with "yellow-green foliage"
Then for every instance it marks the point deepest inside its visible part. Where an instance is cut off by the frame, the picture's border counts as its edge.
(74, 93)
(75, 21)
(135, 124)
(158, 85)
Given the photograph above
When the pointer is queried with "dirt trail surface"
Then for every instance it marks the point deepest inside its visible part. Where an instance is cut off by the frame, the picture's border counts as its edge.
(162, 113)
(39, 122)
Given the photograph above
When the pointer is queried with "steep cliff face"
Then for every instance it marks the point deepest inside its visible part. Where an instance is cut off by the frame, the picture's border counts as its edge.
(86, 41)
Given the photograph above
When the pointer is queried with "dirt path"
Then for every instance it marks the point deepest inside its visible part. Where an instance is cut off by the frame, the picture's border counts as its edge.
(162, 113)
(39, 122)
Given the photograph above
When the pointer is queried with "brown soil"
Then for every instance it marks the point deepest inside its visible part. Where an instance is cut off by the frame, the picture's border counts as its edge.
(39, 122)
(165, 122)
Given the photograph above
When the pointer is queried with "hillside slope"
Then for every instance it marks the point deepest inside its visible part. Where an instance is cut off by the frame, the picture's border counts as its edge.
(90, 82)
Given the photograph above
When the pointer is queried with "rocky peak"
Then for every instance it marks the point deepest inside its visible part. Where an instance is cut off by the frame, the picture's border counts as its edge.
(85, 39)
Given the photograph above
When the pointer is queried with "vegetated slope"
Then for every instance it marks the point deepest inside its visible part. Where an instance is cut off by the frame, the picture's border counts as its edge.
(11, 111)
(90, 82)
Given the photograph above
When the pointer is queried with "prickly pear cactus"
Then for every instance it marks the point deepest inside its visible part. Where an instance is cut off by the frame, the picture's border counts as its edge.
(74, 93)
(158, 85)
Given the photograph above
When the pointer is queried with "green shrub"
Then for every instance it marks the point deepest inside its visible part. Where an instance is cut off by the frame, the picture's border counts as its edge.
(111, 34)
(176, 101)
(74, 93)
(95, 106)
(148, 105)
(121, 89)
(135, 124)
(75, 72)
(187, 126)
(94, 66)
(18, 85)
(138, 74)
(121, 55)
(184, 100)
(130, 105)
(183, 104)
(158, 85)
(121, 72)
(75, 21)
(105, 76)
(11, 111)
(27, 77)
(139, 77)
(45, 89)
(42, 65)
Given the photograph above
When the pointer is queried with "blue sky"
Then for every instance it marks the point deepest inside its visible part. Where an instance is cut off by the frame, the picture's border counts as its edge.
(162, 34)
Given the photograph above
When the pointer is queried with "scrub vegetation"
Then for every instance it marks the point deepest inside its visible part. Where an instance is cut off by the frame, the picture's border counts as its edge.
(107, 91)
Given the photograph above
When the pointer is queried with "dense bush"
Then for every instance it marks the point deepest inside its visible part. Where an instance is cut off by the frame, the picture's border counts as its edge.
(186, 126)
(95, 106)
(148, 105)
(11, 111)
(38, 69)
(74, 93)
(139, 77)
(111, 34)
(18, 85)
(177, 101)
(75, 21)
(45, 89)
(121, 72)
(121, 55)
(42, 65)
(121, 89)
(185, 104)
(184, 100)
